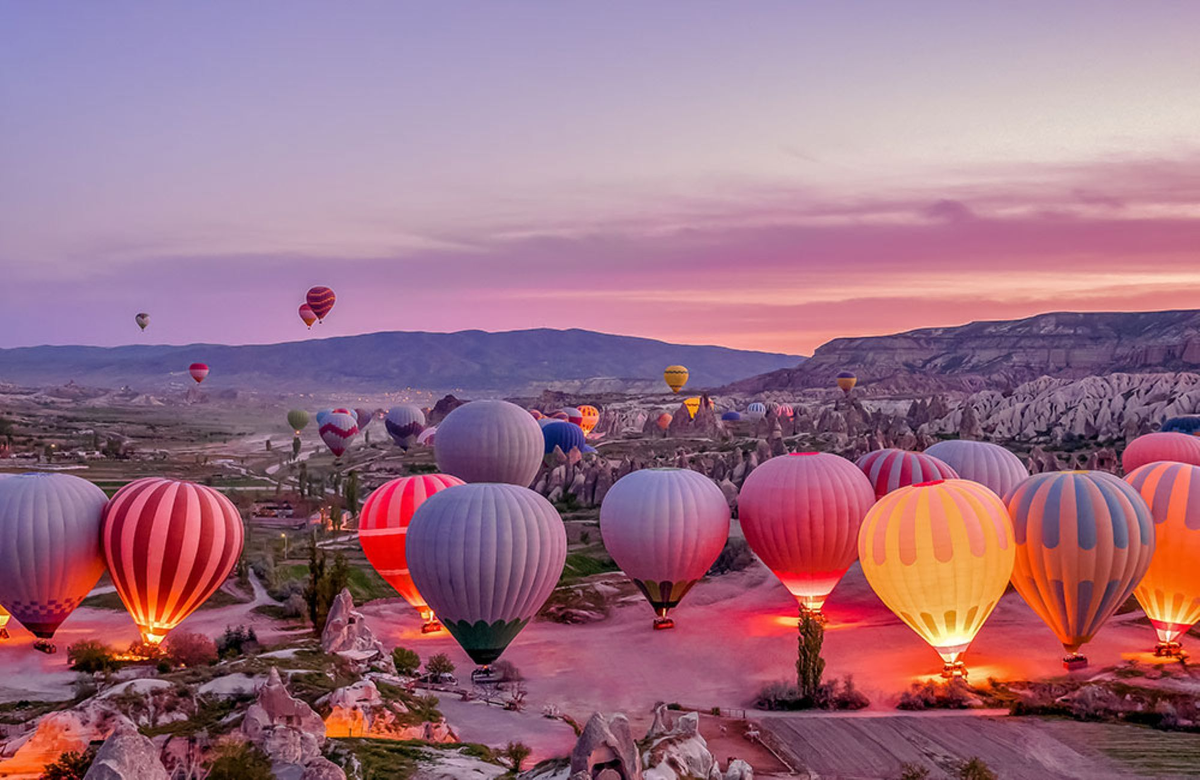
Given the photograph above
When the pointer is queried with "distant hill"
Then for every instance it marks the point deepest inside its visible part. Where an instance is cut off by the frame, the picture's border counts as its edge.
(1000, 354)
(510, 362)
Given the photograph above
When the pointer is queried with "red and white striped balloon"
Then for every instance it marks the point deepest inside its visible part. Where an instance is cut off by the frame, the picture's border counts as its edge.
(891, 469)
(199, 371)
(383, 530)
(169, 545)
(338, 430)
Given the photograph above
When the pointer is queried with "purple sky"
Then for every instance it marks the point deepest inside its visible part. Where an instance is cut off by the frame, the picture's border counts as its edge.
(765, 175)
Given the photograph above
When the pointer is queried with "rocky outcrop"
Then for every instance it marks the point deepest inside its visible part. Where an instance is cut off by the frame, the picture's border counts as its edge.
(55, 734)
(359, 710)
(127, 755)
(285, 728)
(675, 750)
(347, 634)
(606, 750)
(322, 769)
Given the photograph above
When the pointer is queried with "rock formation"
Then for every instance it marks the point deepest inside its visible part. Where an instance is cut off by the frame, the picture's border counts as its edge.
(347, 634)
(127, 755)
(606, 751)
(359, 710)
(285, 728)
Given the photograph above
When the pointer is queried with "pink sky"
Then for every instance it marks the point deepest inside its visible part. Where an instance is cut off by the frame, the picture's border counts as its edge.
(764, 178)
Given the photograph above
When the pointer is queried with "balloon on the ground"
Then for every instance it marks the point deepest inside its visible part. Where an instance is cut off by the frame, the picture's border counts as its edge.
(307, 315)
(939, 555)
(383, 528)
(169, 546)
(338, 430)
(1084, 540)
(490, 441)
(561, 414)
(298, 420)
(1154, 447)
(979, 461)
(692, 405)
(537, 415)
(1189, 424)
(320, 300)
(142, 319)
(1170, 590)
(572, 415)
(363, 417)
(323, 415)
(846, 382)
(591, 416)
(801, 514)
(49, 547)
(892, 469)
(731, 416)
(676, 377)
(486, 557)
(199, 372)
(756, 411)
(665, 529)
(404, 424)
(564, 435)
(784, 411)
(664, 421)
(427, 436)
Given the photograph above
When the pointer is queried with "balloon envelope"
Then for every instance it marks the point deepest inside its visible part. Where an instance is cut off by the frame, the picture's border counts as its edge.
(1188, 424)
(490, 441)
(846, 381)
(891, 469)
(404, 424)
(427, 436)
(363, 417)
(298, 419)
(338, 430)
(591, 416)
(49, 547)
(572, 415)
(142, 320)
(564, 435)
(801, 514)
(756, 411)
(664, 528)
(676, 377)
(1170, 590)
(322, 415)
(979, 461)
(307, 315)
(486, 557)
(320, 300)
(1084, 540)
(664, 421)
(731, 416)
(383, 528)
(1153, 447)
(939, 555)
(169, 546)
(198, 371)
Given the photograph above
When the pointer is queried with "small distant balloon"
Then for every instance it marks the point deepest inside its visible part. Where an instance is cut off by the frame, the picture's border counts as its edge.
(307, 314)
(756, 411)
(846, 381)
(591, 416)
(676, 377)
(664, 421)
(692, 405)
(198, 371)
(363, 417)
(404, 424)
(298, 419)
(320, 300)
(338, 430)
(142, 320)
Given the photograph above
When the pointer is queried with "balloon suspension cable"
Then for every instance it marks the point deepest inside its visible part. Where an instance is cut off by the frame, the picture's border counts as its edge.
(1074, 662)
(1172, 649)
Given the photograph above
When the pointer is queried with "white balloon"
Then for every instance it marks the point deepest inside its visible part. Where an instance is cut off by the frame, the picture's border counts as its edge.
(490, 441)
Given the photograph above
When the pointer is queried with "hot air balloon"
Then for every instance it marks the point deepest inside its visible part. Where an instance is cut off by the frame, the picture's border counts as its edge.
(427, 436)
(664, 528)
(676, 377)
(1153, 447)
(169, 545)
(939, 555)
(382, 529)
(404, 423)
(980, 461)
(784, 411)
(891, 469)
(338, 430)
(571, 415)
(322, 416)
(142, 319)
(731, 416)
(486, 557)
(1170, 590)
(363, 417)
(490, 441)
(307, 315)
(664, 421)
(1188, 424)
(561, 414)
(298, 419)
(846, 381)
(198, 371)
(320, 300)
(756, 411)
(692, 405)
(536, 414)
(591, 416)
(1084, 540)
(566, 436)
(49, 548)
(801, 514)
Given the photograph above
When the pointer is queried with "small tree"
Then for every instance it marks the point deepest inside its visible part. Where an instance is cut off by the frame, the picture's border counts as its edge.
(187, 648)
(237, 760)
(268, 445)
(91, 657)
(71, 765)
(324, 584)
(296, 448)
(407, 661)
(439, 664)
(350, 493)
(515, 753)
(235, 641)
(975, 769)
(810, 666)
(913, 772)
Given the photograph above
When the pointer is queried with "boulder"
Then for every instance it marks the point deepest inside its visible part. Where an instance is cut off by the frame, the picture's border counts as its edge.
(127, 755)
(285, 728)
(322, 769)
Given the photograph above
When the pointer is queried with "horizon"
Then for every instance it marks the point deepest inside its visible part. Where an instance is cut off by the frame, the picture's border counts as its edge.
(764, 179)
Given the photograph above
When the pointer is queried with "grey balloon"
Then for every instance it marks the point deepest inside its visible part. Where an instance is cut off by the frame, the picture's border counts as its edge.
(490, 441)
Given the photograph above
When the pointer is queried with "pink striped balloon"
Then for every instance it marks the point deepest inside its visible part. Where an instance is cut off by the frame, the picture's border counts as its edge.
(801, 514)
(383, 530)
(169, 545)
(1172, 446)
(891, 469)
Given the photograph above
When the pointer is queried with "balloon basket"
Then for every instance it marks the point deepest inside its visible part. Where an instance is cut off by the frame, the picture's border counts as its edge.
(955, 670)
(663, 623)
(45, 646)
(432, 627)
(1170, 650)
(484, 675)
(1073, 663)
(4, 633)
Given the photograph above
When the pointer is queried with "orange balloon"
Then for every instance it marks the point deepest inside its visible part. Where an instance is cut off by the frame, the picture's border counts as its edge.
(591, 416)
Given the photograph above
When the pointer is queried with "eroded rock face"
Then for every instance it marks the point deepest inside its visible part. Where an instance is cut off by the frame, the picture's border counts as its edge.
(360, 711)
(322, 769)
(285, 728)
(127, 755)
(347, 634)
(678, 751)
(606, 744)
(55, 734)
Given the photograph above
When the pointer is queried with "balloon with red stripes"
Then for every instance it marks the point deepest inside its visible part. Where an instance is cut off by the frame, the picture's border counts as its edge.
(169, 545)
(383, 530)
(338, 430)
(890, 469)
(320, 300)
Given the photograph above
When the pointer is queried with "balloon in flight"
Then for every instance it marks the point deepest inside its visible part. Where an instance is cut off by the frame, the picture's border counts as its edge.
(142, 319)
(320, 300)
(363, 417)
(307, 315)
(676, 377)
(338, 430)
(664, 421)
(199, 372)
(404, 424)
(591, 416)
(756, 411)
(298, 419)
(692, 405)
(490, 441)
(846, 382)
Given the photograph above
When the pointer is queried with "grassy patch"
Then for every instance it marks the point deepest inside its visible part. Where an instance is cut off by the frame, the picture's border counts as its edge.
(392, 760)
(210, 711)
(580, 565)
(23, 711)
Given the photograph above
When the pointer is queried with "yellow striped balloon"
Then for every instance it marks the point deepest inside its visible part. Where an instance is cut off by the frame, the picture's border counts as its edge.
(939, 554)
(676, 377)
(1170, 590)
(692, 405)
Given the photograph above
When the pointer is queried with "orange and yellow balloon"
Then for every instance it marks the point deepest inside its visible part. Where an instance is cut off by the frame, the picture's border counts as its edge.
(939, 555)
(676, 376)
(1170, 590)
(590, 416)
(692, 405)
